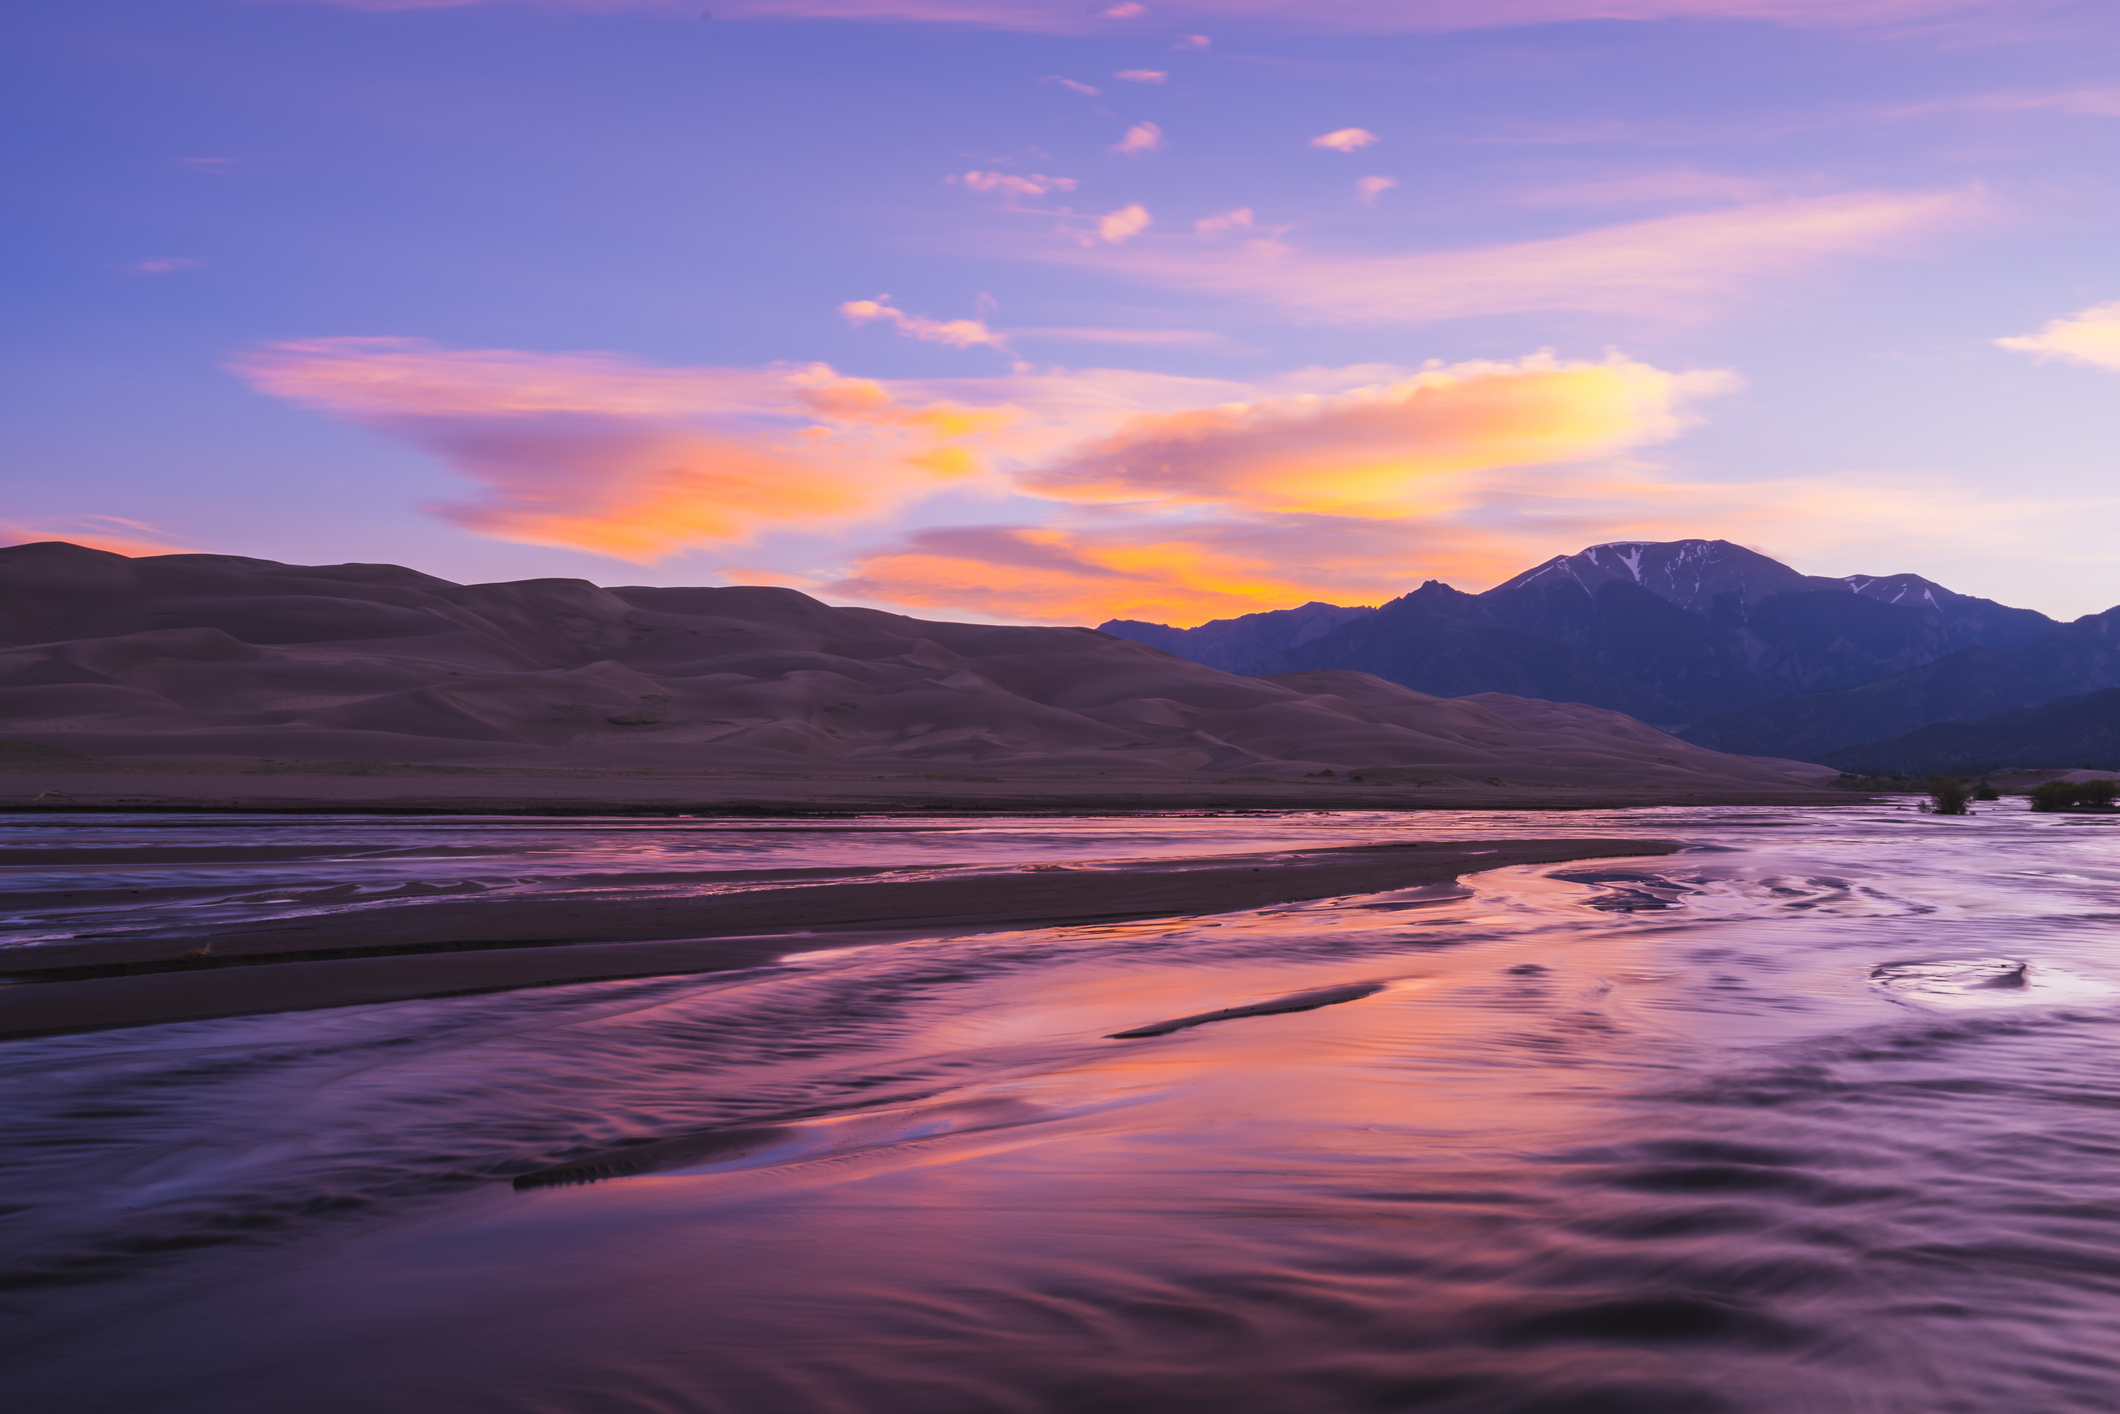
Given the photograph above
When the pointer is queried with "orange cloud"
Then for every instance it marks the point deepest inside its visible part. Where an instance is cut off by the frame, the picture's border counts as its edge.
(1672, 267)
(1368, 189)
(112, 533)
(1140, 138)
(957, 333)
(2090, 336)
(1345, 139)
(1381, 451)
(1072, 85)
(1187, 569)
(600, 453)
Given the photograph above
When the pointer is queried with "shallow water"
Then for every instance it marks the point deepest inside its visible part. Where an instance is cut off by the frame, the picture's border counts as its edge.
(1821, 1115)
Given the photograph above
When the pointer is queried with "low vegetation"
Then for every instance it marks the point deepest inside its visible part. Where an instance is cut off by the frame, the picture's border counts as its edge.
(1948, 795)
(2074, 795)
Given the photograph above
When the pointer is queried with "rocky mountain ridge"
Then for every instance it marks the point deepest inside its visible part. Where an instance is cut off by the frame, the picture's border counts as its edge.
(1674, 633)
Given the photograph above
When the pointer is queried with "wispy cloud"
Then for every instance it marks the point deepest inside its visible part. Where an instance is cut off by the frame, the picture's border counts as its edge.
(1011, 185)
(1342, 17)
(1140, 138)
(1072, 85)
(1141, 75)
(2083, 102)
(1651, 188)
(1368, 189)
(1239, 219)
(159, 265)
(1130, 337)
(1345, 139)
(1670, 267)
(112, 533)
(2090, 336)
(956, 333)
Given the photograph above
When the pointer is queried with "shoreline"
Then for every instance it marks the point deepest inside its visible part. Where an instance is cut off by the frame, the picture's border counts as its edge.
(483, 945)
(413, 791)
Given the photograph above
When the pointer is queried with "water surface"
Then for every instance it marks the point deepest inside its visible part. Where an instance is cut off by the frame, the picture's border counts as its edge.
(1821, 1115)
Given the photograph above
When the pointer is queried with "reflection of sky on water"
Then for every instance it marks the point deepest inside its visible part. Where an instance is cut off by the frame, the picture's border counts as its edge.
(1643, 1135)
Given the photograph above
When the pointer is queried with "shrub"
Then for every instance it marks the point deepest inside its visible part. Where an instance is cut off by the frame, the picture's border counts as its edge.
(2060, 795)
(1986, 790)
(1948, 795)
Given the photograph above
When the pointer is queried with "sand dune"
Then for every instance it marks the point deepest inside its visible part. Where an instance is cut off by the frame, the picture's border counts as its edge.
(222, 657)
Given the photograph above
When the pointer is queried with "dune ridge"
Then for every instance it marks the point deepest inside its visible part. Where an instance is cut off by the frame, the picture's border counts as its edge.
(220, 658)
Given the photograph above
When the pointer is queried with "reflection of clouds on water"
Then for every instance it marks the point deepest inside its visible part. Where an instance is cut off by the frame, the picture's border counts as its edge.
(1778, 1123)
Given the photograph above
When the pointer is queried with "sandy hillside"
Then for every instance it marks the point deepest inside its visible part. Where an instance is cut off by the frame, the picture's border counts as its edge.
(221, 657)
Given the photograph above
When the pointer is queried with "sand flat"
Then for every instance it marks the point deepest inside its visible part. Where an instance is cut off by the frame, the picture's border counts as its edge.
(305, 963)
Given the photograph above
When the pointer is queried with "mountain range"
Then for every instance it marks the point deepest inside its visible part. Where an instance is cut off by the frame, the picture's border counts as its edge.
(220, 657)
(1721, 645)
(2079, 732)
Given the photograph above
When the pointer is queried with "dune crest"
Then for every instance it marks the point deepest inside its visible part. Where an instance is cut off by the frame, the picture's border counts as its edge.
(223, 657)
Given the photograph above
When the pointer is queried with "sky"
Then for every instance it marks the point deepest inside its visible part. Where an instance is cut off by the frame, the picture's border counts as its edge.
(1017, 311)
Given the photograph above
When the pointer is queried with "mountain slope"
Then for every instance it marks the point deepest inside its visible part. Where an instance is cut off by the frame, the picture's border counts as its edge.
(224, 657)
(2078, 732)
(1969, 685)
(1671, 632)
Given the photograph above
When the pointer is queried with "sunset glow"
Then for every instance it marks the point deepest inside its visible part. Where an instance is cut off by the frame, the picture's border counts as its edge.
(1052, 312)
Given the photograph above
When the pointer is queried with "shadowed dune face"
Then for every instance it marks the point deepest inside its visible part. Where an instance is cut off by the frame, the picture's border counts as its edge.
(225, 657)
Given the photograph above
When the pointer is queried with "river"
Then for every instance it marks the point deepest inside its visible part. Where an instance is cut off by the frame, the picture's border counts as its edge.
(1819, 1115)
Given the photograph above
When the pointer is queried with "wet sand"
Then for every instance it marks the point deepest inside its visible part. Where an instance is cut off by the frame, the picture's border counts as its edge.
(466, 945)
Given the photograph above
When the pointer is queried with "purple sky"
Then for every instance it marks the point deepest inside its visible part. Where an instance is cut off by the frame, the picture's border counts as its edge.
(1022, 311)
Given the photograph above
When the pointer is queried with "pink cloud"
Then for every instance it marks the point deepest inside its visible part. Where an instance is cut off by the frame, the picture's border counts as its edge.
(1239, 219)
(601, 453)
(160, 265)
(1345, 139)
(1071, 85)
(956, 333)
(1193, 41)
(1141, 75)
(1117, 227)
(1368, 189)
(1670, 267)
(1140, 138)
(1011, 185)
